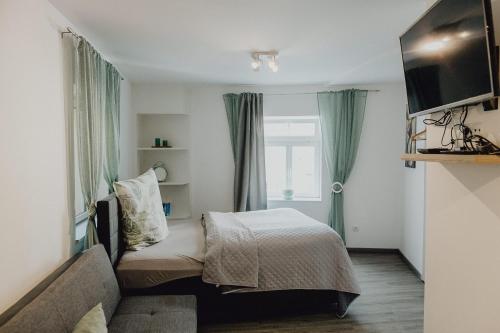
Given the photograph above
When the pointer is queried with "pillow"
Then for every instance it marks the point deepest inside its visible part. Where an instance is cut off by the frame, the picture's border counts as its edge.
(144, 221)
(94, 321)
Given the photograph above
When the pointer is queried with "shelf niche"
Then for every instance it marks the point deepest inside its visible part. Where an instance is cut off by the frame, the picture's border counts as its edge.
(176, 129)
(171, 127)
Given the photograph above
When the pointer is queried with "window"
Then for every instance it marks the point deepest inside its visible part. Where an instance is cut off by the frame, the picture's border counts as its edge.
(293, 157)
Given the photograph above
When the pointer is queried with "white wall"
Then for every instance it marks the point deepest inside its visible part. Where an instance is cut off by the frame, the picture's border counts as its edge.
(36, 157)
(462, 230)
(35, 235)
(374, 193)
(462, 248)
(374, 197)
(413, 235)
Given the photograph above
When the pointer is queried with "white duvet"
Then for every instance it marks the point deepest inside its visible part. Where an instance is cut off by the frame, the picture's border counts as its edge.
(277, 249)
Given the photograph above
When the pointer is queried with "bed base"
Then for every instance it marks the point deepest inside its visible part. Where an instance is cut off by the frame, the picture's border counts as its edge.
(216, 307)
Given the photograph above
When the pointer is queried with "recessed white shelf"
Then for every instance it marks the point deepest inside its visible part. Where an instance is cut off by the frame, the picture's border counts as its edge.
(179, 217)
(175, 128)
(173, 183)
(161, 148)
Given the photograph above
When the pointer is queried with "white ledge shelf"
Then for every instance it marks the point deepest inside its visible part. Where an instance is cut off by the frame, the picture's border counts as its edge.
(452, 158)
(161, 149)
(178, 217)
(173, 183)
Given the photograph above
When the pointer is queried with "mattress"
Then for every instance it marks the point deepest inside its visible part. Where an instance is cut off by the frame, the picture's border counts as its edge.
(178, 256)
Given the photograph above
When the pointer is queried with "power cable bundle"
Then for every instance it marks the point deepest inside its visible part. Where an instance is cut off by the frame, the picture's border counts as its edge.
(471, 141)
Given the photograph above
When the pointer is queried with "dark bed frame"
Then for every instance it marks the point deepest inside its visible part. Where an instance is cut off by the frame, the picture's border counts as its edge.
(214, 306)
(109, 215)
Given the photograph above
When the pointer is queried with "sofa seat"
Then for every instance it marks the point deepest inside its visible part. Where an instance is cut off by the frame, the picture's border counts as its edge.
(88, 281)
(161, 313)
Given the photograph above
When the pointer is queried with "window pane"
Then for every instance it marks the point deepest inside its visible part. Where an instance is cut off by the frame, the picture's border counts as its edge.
(302, 129)
(289, 128)
(275, 170)
(276, 129)
(303, 170)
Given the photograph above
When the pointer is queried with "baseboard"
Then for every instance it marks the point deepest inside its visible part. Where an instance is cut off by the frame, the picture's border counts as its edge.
(387, 251)
(371, 250)
(410, 265)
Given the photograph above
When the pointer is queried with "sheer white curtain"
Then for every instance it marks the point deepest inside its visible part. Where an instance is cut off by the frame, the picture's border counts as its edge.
(97, 98)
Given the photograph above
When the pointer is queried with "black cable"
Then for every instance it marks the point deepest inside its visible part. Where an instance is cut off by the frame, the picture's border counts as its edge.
(470, 141)
(464, 130)
(444, 121)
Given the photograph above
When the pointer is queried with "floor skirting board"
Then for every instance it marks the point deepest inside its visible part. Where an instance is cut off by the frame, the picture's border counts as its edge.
(380, 250)
(410, 265)
(371, 250)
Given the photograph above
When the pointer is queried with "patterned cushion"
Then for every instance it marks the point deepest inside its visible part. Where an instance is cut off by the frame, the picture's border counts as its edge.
(144, 221)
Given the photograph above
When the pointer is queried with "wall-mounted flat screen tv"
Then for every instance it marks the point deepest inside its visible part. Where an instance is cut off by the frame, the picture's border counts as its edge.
(449, 57)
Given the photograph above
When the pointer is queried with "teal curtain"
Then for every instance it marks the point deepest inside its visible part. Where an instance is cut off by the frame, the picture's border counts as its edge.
(341, 117)
(245, 117)
(90, 91)
(232, 112)
(112, 125)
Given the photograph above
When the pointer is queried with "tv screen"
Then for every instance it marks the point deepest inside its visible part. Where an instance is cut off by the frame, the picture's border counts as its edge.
(447, 56)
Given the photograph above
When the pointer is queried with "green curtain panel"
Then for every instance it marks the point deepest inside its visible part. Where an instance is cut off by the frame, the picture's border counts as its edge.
(232, 112)
(90, 91)
(341, 117)
(112, 125)
(245, 117)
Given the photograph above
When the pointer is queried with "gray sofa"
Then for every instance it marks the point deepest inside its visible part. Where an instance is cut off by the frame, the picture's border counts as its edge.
(90, 280)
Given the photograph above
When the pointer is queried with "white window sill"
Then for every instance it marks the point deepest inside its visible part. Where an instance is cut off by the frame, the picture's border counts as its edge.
(272, 199)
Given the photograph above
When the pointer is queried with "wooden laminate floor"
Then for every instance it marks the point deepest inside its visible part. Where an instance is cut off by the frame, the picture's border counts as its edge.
(391, 302)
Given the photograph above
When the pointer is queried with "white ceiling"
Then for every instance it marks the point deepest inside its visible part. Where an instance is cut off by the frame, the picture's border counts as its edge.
(320, 41)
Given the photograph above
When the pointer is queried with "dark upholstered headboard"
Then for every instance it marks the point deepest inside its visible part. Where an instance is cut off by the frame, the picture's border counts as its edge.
(108, 227)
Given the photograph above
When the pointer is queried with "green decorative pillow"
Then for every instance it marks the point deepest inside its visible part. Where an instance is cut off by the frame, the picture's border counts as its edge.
(94, 321)
(144, 221)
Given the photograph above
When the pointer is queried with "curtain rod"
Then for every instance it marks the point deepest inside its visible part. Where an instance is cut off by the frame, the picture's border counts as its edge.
(310, 93)
(69, 31)
(74, 34)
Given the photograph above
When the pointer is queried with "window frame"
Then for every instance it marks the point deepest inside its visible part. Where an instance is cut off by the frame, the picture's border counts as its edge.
(289, 142)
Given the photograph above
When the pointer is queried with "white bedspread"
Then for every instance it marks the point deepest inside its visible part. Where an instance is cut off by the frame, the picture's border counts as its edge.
(277, 249)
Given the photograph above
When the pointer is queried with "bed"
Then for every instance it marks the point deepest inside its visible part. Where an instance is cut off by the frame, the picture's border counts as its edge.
(179, 256)
(238, 253)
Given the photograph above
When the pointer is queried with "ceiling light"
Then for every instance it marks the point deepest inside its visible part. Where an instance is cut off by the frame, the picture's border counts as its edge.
(273, 64)
(256, 63)
(272, 61)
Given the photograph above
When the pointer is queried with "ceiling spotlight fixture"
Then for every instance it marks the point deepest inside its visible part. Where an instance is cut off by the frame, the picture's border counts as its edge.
(256, 63)
(272, 61)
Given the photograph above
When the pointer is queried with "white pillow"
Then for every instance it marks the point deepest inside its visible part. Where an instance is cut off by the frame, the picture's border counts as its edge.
(144, 221)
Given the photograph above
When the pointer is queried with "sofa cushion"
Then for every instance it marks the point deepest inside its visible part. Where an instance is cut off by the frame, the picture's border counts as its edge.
(162, 313)
(86, 283)
(93, 322)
